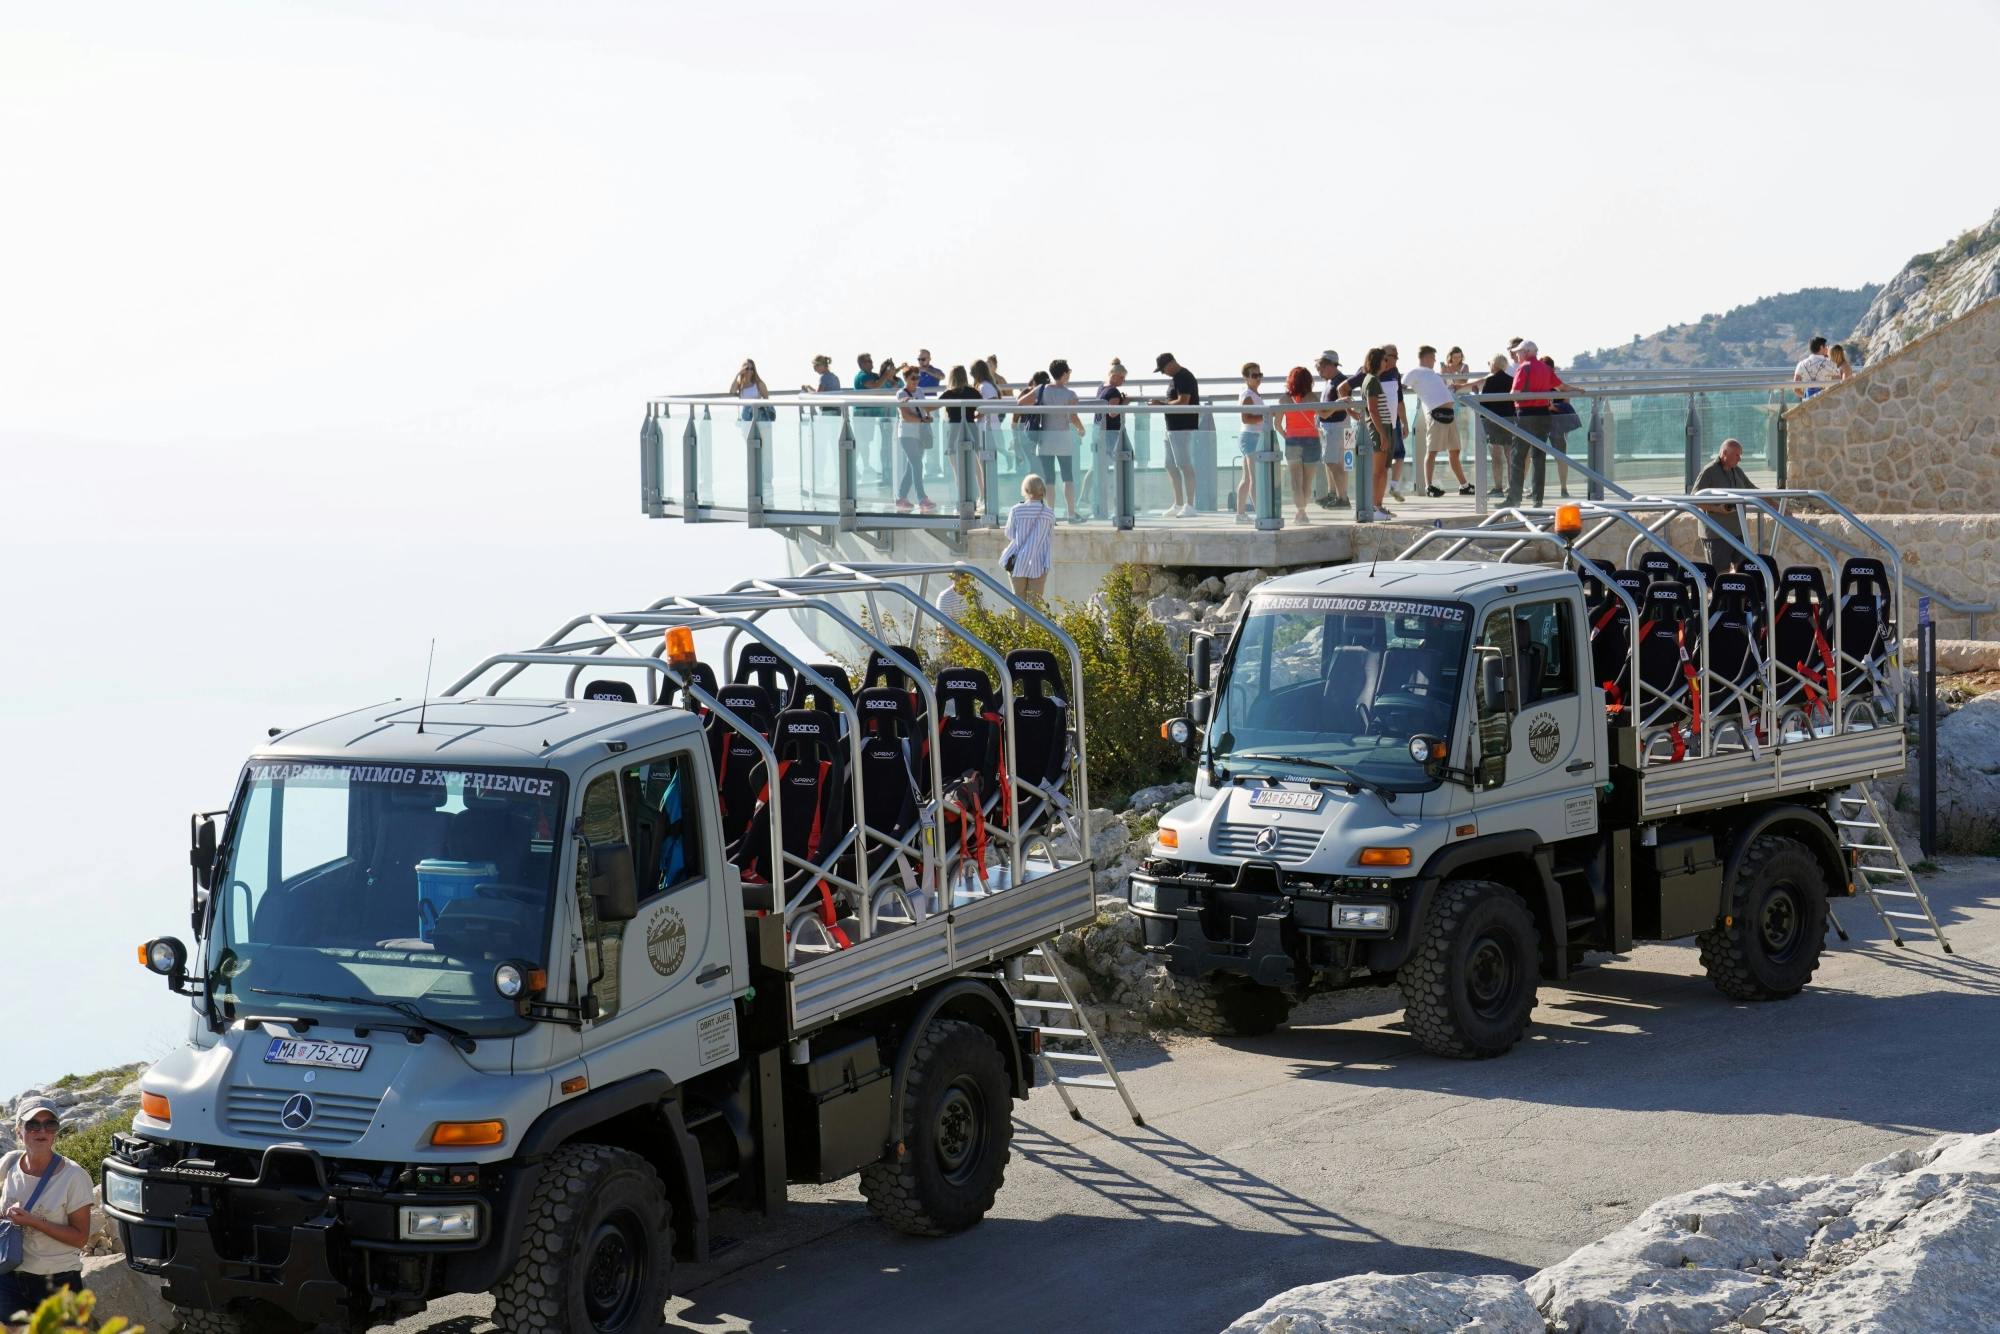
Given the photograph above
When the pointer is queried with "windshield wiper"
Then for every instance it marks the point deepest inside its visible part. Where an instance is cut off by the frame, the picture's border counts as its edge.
(457, 1037)
(1354, 779)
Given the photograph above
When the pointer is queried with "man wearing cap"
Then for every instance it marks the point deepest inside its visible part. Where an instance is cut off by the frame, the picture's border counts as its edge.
(48, 1198)
(1334, 423)
(1182, 388)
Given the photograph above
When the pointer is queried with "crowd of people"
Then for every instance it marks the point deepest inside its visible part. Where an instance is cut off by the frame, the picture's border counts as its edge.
(1324, 415)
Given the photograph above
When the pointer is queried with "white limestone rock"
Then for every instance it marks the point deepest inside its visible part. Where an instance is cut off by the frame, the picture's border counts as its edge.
(1398, 1304)
(122, 1290)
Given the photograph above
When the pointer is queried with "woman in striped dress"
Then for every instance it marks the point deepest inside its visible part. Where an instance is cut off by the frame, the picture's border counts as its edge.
(1030, 529)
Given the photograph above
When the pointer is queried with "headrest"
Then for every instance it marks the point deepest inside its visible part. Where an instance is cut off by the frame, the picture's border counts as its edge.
(1739, 584)
(1660, 565)
(1707, 572)
(887, 670)
(883, 708)
(1632, 581)
(804, 729)
(617, 692)
(761, 663)
(964, 678)
(835, 674)
(700, 673)
(753, 703)
(1863, 570)
(1800, 580)
(1037, 668)
(1667, 596)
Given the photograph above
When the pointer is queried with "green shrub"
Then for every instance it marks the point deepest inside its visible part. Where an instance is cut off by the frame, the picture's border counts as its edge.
(86, 1148)
(67, 1312)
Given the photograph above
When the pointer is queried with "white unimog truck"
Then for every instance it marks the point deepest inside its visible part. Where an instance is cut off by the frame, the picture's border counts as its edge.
(1463, 774)
(500, 991)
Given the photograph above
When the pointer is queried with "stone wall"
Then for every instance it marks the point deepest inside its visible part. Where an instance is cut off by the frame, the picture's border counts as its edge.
(1917, 433)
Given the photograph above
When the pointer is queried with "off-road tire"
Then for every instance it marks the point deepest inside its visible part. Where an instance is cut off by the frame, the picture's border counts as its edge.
(251, 1320)
(593, 1205)
(1469, 983)
(1777, 923)
(1229, 1008)
(953, 1143)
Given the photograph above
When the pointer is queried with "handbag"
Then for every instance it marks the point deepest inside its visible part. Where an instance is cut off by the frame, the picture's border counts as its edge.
(1566, 418)
(13, 1244)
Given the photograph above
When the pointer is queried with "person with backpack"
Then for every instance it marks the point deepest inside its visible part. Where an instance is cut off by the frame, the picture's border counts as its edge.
(1053, 435)
(45, 1204)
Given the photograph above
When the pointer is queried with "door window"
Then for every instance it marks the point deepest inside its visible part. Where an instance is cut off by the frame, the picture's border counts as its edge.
(1547, 644)
(1497, 641)
(601, 822)
(663, 806)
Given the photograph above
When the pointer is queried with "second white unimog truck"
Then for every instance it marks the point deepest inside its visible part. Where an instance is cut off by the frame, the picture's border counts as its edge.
(503, 991)
(1463, 774)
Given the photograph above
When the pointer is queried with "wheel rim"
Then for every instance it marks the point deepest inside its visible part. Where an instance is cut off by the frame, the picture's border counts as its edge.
(1489, 975)
(614, 1272)
(1781, 924)
(959, 1129)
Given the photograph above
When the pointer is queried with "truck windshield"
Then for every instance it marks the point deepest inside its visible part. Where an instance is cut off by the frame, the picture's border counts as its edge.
(385, 881)
(1342, 681)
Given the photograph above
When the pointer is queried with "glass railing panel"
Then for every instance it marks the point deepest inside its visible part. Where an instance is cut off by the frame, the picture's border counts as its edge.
(1645, 441)
(1749, 416)
(705, 425)
(787, 460)
(820, 481)
(877, 459)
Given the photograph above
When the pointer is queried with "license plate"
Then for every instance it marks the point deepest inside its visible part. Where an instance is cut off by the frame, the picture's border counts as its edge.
(325, 1055)
(1278, 798)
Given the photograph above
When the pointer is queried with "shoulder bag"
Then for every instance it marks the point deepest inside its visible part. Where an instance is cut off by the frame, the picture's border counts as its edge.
(13, 1243)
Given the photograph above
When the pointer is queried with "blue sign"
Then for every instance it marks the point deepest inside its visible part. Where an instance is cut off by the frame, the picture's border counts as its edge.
(1924, 610)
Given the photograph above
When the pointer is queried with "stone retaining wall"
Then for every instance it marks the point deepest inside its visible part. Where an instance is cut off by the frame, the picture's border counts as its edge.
(1918, 432)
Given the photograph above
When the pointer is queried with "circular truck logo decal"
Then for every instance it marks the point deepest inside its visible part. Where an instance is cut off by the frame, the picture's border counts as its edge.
(1267, 839)
(1544, 737)
(666, 941)
(298, 1113)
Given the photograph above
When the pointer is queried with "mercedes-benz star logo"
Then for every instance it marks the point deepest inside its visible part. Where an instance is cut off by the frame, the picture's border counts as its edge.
(1267, 838)
(298, 1113)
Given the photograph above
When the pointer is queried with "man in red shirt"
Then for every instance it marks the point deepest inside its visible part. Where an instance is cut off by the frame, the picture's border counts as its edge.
(1532, 416)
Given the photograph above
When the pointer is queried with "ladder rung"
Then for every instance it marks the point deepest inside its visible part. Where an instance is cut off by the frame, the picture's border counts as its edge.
(1896, 871)
(1073, 1057)
(1867, 847)
(1048, 1032)
(1042, 1005)
(1085, 1081)
(1907, 916)
(1894, 893)
(1857, 824)
(1042, 978)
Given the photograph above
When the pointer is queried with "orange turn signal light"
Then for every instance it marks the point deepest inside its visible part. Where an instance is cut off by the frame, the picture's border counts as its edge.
(1169, 838)
(575, 1084)
(156, 1107)
(467, 1134)
(680, 646)
(1385, 856)
(1569, 520)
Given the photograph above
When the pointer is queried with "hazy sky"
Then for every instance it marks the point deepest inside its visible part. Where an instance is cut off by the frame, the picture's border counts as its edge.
(325, 328)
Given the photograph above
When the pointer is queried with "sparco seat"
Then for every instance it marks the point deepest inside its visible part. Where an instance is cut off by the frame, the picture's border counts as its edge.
(735, 758)
(758, 664)
(1867, 628)
(1041, 734)
(811, 809)
(1806, 675)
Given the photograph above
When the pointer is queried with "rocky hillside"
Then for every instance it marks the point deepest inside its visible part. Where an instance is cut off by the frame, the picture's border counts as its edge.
(1772, 331)
(1933, 289)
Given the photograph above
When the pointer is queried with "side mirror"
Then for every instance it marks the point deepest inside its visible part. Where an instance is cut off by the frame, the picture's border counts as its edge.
(1198, 709)
(613, 881)
(201, 849)
(1492, 684)
(1202, 661)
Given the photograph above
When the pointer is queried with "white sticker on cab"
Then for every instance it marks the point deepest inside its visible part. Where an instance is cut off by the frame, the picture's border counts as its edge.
(715, 1038)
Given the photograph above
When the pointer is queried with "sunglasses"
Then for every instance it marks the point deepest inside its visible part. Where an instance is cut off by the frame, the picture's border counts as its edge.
(45, 1126)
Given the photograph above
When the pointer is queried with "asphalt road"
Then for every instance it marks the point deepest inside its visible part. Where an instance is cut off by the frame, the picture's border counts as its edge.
(1336, 1146)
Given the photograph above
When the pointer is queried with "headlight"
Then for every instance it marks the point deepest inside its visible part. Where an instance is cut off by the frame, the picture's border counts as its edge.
(1180, 732)
(507, 980)
(123, 1193)
(1143, 894)
(1362, 916)
(450, 1222)
(1420, 748)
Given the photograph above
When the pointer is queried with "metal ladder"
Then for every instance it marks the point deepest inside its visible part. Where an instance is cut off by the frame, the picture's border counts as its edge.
(1040, 968)
(1879, 866)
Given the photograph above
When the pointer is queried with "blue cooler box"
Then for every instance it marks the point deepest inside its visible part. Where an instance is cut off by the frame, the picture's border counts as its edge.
(440, 882)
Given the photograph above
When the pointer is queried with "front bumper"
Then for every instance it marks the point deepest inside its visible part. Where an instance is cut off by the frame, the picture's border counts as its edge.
(1252, 928)
(312, 1236)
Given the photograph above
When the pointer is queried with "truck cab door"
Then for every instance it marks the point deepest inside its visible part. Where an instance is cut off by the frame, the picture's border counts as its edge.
(1546, 781)
(666, 982)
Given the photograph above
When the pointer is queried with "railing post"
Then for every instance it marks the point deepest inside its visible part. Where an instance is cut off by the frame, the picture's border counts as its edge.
(847, 465)
(1594, 448)
(690, 471)
(705, 434)
(1100, 470)
(1691, 464)
(989, 461)
(1482, 452)
(1780, 460)
(1124, 510)
(964, 460)
(1264, 486)
(753, 487)
(1927, 729)
(1362, 476)
(651, 441)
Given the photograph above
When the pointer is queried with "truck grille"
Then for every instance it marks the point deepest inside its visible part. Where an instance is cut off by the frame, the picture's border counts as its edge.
(1240, 840)
(338, 1118)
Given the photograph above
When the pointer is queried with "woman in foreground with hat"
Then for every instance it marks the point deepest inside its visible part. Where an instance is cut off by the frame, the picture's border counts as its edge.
(47, 1197)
